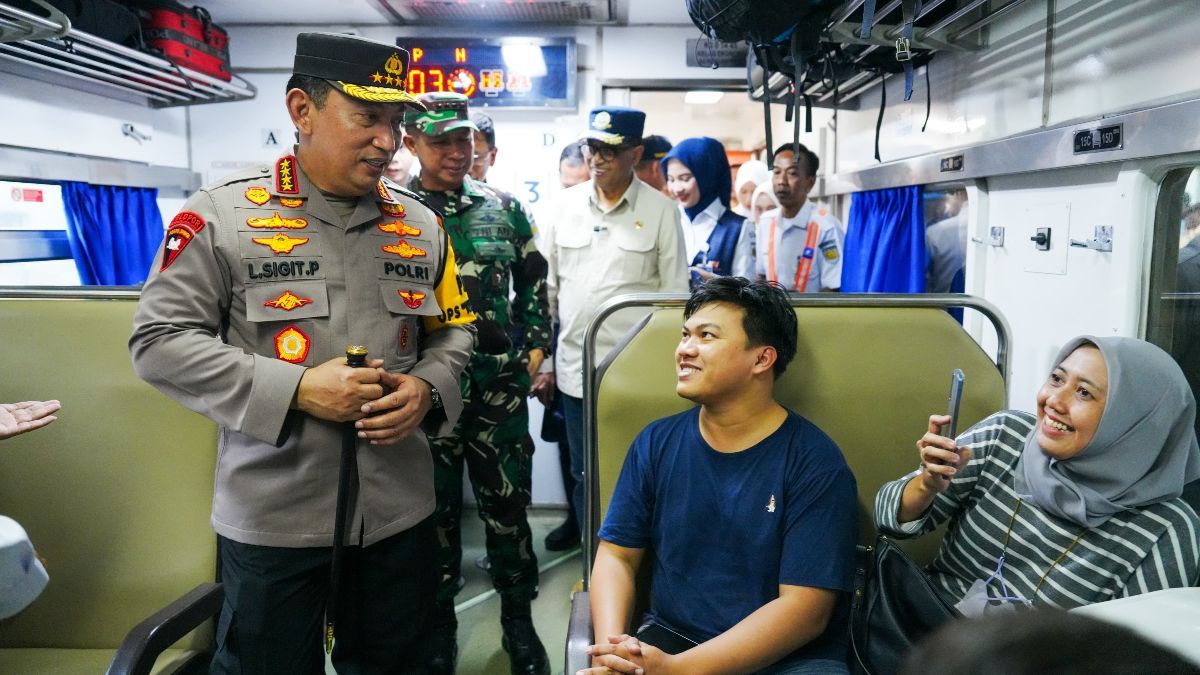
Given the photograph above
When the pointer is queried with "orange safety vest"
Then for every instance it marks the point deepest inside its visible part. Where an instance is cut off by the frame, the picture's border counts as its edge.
(804, 266)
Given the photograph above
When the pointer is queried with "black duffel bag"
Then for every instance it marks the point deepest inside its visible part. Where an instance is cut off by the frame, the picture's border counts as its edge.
(105, 19)
(895, 606)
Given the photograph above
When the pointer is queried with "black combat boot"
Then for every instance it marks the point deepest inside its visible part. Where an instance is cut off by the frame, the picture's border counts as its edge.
(564, 537)
(442, 641)
(526, 655)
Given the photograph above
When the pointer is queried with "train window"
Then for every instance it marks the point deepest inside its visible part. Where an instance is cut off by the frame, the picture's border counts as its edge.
(1174, 311)
(33, 236)
(945, 239)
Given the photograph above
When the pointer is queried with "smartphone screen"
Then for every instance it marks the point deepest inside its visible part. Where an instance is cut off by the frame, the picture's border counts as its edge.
(956, 389)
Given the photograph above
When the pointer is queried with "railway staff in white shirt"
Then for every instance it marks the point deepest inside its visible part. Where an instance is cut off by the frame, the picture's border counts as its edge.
(799, 245)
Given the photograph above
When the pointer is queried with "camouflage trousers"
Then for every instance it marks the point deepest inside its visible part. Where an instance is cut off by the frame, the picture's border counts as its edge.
(492, 440)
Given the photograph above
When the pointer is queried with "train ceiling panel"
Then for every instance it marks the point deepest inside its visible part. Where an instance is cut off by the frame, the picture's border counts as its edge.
(525, 12)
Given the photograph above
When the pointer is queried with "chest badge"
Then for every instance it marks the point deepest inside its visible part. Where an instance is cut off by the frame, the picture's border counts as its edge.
(292, 202)
(412, 299)
(281, 243)
(771, 505)
(291, 345)
(405, 250)
(399, 227)
(287, 302)
(396, 210)
(258, 195)
(277, 222)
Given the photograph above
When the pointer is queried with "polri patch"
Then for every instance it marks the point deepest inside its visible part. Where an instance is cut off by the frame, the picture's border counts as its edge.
(287, 301)
(277, 222)
(190, 220)
(830, 253)
(178, 237)
(180, 233)
(405, 250)
(291, 345)
(286, 181)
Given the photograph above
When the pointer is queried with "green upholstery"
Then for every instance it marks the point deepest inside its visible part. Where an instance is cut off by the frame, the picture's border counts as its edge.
(868, 376)
(115, 495)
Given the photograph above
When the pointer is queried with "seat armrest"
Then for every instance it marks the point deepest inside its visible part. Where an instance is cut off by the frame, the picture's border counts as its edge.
(143, 645)
(579, 633)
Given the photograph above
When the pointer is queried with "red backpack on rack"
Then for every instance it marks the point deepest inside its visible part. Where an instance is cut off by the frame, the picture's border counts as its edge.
(186, 36)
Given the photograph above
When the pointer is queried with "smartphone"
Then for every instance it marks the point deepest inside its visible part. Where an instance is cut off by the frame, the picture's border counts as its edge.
(665, 639)
(956, 390)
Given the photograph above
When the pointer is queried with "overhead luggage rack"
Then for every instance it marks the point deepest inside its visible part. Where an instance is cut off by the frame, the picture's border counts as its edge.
(50, 50)
(938, 26)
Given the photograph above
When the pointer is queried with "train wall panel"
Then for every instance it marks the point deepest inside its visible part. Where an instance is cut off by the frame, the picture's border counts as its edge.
(1050, 296)
(48, 117)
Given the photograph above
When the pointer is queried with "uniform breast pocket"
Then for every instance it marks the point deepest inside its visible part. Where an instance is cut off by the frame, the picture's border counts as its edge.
(284, 318)
(574, 245)
(407, 305)
(639, 258)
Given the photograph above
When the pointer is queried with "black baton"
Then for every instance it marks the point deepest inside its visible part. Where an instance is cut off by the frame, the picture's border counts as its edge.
(356, 357)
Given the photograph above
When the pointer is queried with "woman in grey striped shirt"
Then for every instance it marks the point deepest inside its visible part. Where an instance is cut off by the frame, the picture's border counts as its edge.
(1074, 505)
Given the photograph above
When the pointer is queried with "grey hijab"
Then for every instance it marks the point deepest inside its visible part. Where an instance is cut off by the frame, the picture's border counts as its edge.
(1144, 450)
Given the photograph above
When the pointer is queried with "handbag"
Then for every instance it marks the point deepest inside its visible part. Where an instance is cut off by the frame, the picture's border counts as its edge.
(895, 606)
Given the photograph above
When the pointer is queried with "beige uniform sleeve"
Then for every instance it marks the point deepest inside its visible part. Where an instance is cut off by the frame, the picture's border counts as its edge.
(177, 343)
(672, 258)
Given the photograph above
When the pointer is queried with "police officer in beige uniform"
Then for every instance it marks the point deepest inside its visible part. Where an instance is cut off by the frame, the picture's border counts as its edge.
(264, 279)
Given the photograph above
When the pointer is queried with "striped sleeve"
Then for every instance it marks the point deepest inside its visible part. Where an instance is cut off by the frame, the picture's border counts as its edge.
(1174, 559)
(994, 443)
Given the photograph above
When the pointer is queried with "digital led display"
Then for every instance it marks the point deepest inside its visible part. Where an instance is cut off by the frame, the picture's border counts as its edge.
(505, 72)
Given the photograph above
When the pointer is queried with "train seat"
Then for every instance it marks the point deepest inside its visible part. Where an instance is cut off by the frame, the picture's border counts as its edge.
(868, 375)
(115, 496)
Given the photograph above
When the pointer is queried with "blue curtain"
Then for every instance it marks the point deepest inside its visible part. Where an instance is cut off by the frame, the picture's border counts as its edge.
(114, 232)
(885, 242)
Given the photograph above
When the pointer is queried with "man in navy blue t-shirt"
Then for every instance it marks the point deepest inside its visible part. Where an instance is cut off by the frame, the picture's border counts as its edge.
(750, 510)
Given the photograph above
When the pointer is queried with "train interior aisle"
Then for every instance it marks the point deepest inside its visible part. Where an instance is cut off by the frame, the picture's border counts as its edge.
(1046, 164)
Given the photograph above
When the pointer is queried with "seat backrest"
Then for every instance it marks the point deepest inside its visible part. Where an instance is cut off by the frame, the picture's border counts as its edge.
(115, 494)
(868, 376)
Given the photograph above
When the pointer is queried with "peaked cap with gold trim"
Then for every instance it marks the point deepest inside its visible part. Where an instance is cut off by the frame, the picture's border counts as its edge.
(360, 68)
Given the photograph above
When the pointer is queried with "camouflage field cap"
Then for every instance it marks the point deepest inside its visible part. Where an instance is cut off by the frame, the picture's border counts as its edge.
(360, 68)
(444, 112)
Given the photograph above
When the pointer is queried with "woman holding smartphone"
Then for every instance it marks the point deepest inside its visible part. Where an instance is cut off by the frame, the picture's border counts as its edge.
(1076, 504)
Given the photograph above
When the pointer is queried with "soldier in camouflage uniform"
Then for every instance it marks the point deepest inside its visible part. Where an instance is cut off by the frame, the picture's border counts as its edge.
(493, 238)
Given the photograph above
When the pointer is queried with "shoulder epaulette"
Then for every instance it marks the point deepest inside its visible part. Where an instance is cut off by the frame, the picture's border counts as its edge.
(414, 196)
(252, 173)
